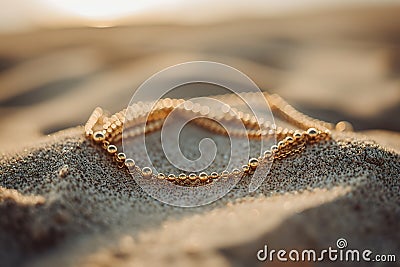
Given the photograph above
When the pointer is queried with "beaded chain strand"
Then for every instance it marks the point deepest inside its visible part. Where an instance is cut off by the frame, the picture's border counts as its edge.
(291, 141)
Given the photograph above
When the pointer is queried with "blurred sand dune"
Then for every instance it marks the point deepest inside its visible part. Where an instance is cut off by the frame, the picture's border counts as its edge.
(335, 65)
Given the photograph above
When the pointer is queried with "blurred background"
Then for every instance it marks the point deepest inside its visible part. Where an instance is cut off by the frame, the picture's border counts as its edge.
(335, 60)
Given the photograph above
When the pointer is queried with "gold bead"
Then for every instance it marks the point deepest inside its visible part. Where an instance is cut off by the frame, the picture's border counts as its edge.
(121, 157)
(289, 139)
(168, 103)
(281, 144)
(188, 105)
(130, 163)
(343, 126)
(182, 176)
(253, 163)
(147, 171)
(312, 132)
(192, 176)
(196, 108)
(245, 168)
(297, 135)
(171, 177)
(99, 136)
(204, 110)
(267, 154)
(224, 174)
(236, 171)
(112, 149)
(161, 176)
(274, 149)
(203, 176)
(214, 175)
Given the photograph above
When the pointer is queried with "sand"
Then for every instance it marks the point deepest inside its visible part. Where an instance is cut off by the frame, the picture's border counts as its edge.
(65, 203)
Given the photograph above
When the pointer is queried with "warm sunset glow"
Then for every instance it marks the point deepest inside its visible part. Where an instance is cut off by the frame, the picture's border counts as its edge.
(101, 10)
(30, 14)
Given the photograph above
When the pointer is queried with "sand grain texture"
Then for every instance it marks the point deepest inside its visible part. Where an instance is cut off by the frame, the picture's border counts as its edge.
(64, 202)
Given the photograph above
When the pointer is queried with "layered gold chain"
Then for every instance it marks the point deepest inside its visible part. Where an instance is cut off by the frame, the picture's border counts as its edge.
(107, 132)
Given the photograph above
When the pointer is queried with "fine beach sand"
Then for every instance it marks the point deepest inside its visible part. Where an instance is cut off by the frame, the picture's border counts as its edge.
(63, 202)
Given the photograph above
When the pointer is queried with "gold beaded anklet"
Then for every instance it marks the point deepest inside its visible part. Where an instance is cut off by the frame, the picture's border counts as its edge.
(107, 131)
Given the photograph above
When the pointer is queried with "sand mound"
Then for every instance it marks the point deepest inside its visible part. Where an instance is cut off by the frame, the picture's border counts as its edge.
(65, 202)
